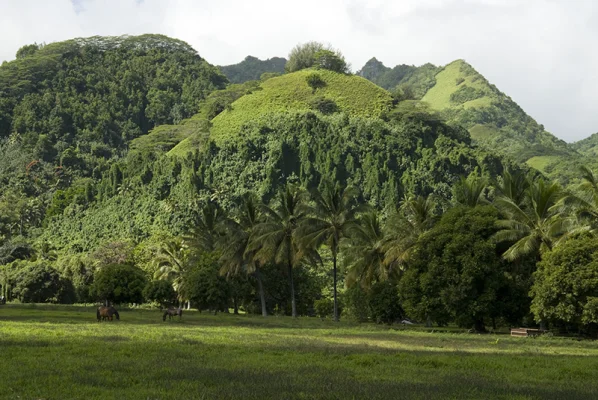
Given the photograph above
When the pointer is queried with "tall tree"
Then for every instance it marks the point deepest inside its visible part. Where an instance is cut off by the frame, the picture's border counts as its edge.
(173, 264)
(364, 253)
(415, 216)
(513, 186)
(204, 235)
(584, 203)
(276, 238)
(535, 226)
(471, 191)
(237, 255)
(332, 219)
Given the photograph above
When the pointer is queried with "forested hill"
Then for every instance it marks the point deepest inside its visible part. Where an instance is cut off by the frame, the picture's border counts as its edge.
(82, 100)
(135, 154)
(588, 146)
(464, 97)
(252, 68)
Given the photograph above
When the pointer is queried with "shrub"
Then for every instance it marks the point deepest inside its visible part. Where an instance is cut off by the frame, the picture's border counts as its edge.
(384, 303)
(40, 283)
(333, 61)
(324, 307)
(205, 287)
(315, 54)
(161, 292)
(356, 301)
(119, 283)
(269, 75)
(315, 81)
(466, 93)
(324, 105)
(565, 288)
(302, 56)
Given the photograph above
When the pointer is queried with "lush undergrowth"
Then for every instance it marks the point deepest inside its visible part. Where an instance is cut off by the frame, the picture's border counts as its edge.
(63, 353)
(352, 94)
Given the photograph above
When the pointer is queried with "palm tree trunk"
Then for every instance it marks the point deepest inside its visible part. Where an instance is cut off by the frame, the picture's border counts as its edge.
(260, 286)
(293, 305)
(334, 278)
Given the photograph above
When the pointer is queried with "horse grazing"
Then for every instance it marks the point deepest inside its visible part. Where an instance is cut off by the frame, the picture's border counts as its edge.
(104, 313)
(171, 312)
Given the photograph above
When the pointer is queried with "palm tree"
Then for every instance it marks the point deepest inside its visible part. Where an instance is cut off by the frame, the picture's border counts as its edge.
(470, 191)
(364, 253)
(204, 235)
(173, 263)
(236, 254)
(585, 203)
(537, 224)
(332, 218)
(415, 216)
(275, 239)
(513, 186)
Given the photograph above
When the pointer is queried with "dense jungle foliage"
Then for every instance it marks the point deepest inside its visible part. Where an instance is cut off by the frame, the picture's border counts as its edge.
(311, 193)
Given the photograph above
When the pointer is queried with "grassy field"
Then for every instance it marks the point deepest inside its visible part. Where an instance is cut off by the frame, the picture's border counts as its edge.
(63, 353)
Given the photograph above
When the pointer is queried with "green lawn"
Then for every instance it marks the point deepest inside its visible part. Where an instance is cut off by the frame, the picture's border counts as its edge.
(63, 353)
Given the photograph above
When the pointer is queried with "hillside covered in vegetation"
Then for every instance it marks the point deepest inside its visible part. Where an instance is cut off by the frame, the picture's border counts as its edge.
(313, 192)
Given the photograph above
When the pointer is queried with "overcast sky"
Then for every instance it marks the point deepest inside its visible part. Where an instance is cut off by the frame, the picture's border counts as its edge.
(542, 53)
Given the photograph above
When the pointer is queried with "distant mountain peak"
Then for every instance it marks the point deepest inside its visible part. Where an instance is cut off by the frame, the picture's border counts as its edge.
(251, 68)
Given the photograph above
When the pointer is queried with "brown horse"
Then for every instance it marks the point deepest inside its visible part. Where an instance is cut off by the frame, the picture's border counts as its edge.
(104, 313)
(171, 312)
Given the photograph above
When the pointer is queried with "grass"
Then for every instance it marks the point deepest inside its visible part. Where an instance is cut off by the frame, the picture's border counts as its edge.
(483, 132)
(541, 162)
(453, 77)
(63, 353)
(354, 95)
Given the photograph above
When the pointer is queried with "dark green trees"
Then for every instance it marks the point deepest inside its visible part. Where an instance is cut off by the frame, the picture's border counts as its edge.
(40, 283)
(237, 252)
(119, 283)
(332, 219)
(565, 289)
(161, 292)
(205, 287)
(314, 54)
(276, 239)
(457, 271)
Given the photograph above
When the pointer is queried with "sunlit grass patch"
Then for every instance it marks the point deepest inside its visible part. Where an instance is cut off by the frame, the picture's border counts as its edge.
(56, 353)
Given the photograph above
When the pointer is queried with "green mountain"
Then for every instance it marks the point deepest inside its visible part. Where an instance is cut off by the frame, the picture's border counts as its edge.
(416, 80)
(252, 68)
(70, 110)
(352, 95)
(588, 146)
(463, 97)
(88, 97)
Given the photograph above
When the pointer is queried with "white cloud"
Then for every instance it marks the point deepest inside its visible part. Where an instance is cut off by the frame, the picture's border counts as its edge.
(540, 52)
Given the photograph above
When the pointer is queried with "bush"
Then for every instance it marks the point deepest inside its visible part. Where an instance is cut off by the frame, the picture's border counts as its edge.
(565, 289)
(356, 301)
(40, 283)
(324, 307)
(268, 75)
(205, 287)
(302, 56)
(315, 81)
(314, 54)
(324, 105)
(161, 292)
(327, 59)
(384, 303)
(119, 283)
